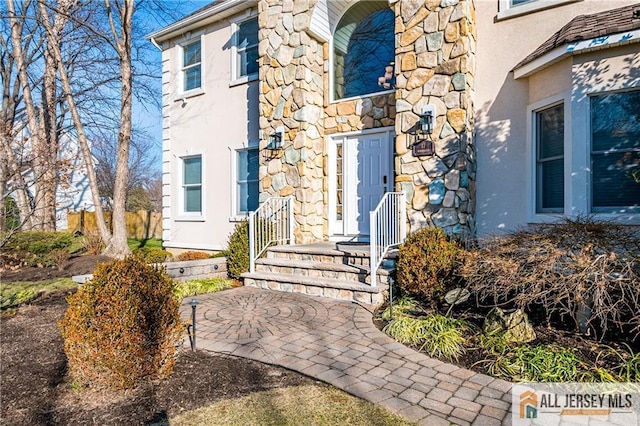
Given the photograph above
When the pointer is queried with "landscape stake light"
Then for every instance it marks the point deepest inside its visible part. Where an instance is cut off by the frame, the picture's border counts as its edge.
(194, 304)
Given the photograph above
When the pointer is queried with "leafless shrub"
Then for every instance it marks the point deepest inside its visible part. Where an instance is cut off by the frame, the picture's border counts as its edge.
(59, 257)
(580, 269)
(93, 242)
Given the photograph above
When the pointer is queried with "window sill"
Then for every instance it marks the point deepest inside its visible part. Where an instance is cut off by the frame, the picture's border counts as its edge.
(194, 218)
(190, 94)
(243, 80)
(631, 218)
(529, 8)
(239, 218)
(368, 95)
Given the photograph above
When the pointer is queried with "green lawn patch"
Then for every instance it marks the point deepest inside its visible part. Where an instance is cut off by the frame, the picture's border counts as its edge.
(203, 286)
(15, 293)
(298, 405)
(149, 243)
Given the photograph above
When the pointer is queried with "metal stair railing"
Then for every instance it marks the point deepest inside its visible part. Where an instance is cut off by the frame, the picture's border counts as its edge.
(388, 228)
(271, 224)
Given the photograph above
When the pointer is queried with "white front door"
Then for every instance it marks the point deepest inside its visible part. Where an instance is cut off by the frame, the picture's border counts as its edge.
(362, 173)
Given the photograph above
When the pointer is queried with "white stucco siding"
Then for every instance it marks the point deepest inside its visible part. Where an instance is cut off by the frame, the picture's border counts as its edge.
(209, 124)
(502, 102)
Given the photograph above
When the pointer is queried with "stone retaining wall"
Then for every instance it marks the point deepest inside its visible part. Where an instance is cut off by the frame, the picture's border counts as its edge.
(194, 269)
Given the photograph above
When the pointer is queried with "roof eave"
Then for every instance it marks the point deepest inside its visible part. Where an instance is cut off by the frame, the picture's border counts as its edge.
(576, 48)
(204, 17)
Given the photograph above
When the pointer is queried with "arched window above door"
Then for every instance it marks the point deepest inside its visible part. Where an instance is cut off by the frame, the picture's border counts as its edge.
(364, 50)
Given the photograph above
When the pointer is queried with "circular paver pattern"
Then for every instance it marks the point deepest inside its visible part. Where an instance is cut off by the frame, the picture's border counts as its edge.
(337, 342)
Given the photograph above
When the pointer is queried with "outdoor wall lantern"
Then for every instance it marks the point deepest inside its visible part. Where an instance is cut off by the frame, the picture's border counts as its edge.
(276, 140)
(421, 145)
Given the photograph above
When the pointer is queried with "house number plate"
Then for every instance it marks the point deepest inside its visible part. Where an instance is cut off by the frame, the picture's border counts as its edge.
(422, 148)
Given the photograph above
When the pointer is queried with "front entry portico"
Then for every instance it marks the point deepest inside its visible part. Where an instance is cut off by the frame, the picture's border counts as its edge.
(361, 172)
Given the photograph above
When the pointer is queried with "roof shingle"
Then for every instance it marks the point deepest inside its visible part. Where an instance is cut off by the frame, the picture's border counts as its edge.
(586, 27)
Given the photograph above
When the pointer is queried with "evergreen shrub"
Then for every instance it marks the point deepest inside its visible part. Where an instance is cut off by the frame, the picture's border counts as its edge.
(122, 326)
(427, 263)
(238, 251)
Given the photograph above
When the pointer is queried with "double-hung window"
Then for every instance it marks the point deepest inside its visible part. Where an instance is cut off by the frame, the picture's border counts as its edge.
(549, 136)
(191, 66)
(615, 152)
(247, 189)
(192, 184)
(246, 49)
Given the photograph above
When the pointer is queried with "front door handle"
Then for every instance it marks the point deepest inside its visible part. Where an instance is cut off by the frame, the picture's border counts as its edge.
(384, 180)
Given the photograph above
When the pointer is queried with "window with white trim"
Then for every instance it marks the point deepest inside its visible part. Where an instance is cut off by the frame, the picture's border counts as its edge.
(364, 50)
(247, 180)
(246, 49)
(192, 184)
(512, 8)
(615, 152)
(191, 66)
(549, 137)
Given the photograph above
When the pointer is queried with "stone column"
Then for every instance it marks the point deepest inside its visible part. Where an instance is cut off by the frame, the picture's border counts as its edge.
(435, 63)
(291, 97)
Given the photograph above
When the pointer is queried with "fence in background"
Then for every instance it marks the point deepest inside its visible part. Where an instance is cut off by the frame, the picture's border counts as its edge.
(141, 224)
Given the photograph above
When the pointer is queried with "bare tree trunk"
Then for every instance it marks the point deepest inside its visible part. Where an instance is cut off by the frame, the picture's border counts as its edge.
(20, 60)
(82, 138)
(118, 247)
(48, 154)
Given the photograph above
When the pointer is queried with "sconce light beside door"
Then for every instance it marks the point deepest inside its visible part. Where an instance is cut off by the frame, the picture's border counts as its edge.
(422, 145)
(276, 140)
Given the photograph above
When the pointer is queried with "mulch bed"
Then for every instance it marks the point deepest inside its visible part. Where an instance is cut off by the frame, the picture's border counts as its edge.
(77, 265)
(36, 390)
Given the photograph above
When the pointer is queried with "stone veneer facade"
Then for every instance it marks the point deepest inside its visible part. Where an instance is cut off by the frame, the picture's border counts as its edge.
(435, 45)
(435, 55)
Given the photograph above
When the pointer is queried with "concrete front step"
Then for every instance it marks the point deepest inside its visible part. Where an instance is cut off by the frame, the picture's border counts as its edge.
(352, 291)
(327, 253)
(310, 268)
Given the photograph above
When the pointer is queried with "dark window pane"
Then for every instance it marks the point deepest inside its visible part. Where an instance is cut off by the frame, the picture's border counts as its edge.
(248, 33)
(551, 132)
(615, 151)
(615, 122)
(191, 54)
(193, 170)
(550, 160)
(249, 196)
(552, 180)
(248, 61)
(248, 186)
(193, 199)
(364, 50)
(614, 189)
(192, 78)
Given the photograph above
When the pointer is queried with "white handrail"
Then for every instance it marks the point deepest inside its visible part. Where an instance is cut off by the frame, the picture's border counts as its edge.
(272, 223)
(388, 228)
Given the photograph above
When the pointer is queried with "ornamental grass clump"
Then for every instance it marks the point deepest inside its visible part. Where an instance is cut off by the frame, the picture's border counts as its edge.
(123, 326)
(437, 335)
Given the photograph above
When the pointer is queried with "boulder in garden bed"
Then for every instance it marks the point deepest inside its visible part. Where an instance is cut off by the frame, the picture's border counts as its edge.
(514, 324)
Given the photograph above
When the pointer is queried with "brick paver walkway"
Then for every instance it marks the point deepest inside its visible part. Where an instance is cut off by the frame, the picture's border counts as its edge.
(337, 342)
